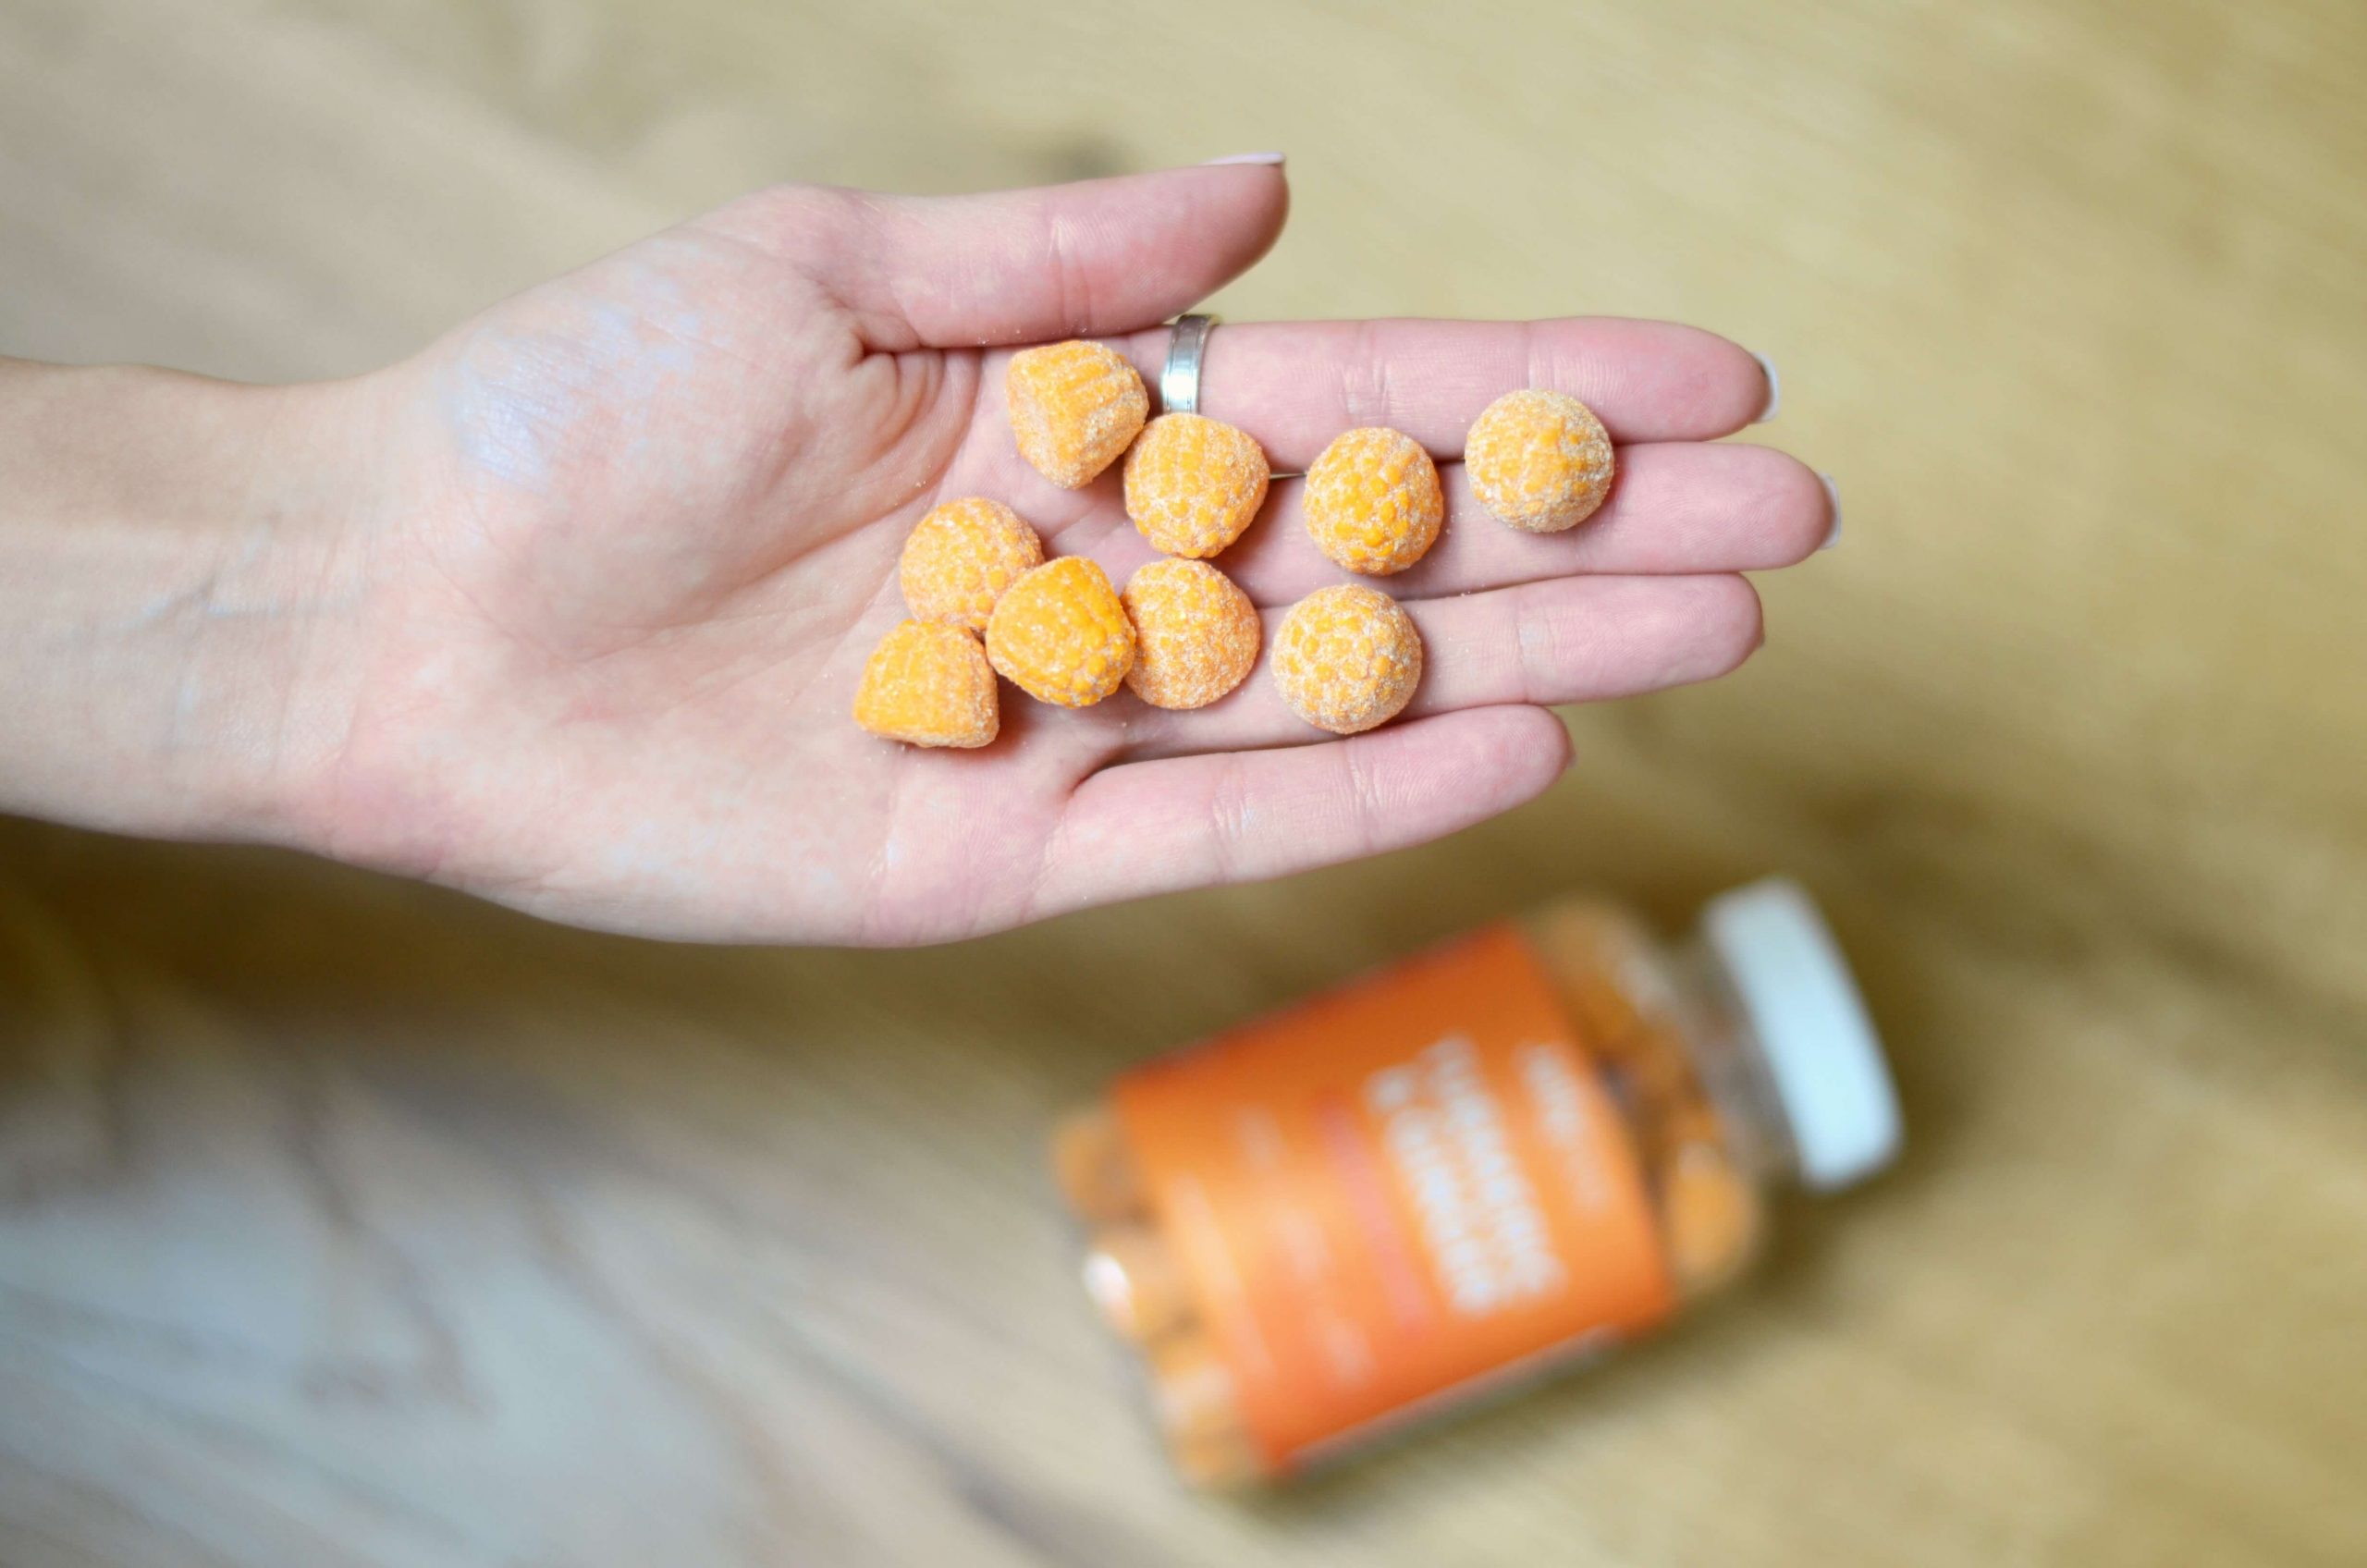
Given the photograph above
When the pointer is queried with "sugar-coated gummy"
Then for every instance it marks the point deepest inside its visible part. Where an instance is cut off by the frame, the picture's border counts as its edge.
(1373, 502)
(1678, 1113)
(1192, 1389)
(1224, 1460)
(1075, 406)
(962, 557)
(1347, 658)
(1193, 483)
(1060, 635)
(1539, 460)
(1711, 1216)
(1199, 1411)
(1195, 634)
(1134, 1277)
(1095, 1169)
(1584, 947)
(928, 684)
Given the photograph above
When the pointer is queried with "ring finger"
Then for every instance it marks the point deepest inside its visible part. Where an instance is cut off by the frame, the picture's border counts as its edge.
(1567, 639)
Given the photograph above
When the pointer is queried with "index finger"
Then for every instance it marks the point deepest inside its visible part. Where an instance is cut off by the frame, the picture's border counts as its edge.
(1296, 385)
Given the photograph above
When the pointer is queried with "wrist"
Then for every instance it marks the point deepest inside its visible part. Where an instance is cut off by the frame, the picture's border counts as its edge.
(180, 559)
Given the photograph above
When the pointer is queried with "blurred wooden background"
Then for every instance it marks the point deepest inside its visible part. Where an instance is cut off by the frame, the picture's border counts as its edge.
(345, 1222)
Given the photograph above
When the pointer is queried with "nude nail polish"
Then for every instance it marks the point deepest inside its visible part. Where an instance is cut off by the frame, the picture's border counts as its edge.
(1775, 388)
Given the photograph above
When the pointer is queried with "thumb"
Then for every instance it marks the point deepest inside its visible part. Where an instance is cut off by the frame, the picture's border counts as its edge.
(1093, 258)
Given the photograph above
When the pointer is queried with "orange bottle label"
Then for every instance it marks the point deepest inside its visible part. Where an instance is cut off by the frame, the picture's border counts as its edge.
(1403, 1191)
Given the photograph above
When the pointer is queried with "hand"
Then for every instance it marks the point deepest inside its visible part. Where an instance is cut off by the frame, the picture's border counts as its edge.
(651, 529)
(641, 531)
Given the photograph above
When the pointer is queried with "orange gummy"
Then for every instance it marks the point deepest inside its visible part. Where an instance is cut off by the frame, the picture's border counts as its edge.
(1095, 1169)
(1139, 1282)
(1539, 460)
(1060, 634)
(1712, 1216)
(1679, 1117)
(1373, 502)
(1195, 634)
(928, 684)
(1347, 658)
(1193, 483)
(962, 557)
(1199, 1412)
(1593, 960)
(1191, 1387)
(1222, 1461)
(1074, 407)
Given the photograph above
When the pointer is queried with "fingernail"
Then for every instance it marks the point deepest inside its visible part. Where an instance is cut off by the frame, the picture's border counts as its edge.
(1775, 388)
(1269, 159)
(1833, 495)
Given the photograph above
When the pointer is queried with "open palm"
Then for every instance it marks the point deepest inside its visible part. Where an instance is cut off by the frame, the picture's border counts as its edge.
(649, 528)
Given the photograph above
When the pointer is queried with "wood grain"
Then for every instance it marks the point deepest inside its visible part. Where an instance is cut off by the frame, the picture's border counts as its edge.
(343, 1221)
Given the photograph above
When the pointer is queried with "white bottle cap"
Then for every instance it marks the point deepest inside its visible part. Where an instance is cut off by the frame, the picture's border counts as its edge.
(1821, 1048)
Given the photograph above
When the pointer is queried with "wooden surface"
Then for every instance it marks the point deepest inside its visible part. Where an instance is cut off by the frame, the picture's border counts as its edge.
(343, 1221)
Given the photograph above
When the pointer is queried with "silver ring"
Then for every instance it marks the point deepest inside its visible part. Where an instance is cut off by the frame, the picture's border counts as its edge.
(1187, 346)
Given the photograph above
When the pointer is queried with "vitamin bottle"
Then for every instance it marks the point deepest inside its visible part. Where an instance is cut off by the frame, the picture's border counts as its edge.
(1493, 1160)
